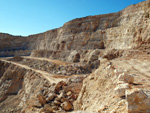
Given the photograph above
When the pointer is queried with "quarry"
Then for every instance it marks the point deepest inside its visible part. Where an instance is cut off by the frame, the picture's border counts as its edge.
(95, 64)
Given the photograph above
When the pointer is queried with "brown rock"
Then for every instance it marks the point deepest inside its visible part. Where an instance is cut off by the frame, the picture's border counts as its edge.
(59, 85)
(67, 106)
(48, 108)
(50, 97)
(41, 99)
(57, 102)
(36, 103)
(138, 101)
(58, 99)
(63, 100)
(55, 107)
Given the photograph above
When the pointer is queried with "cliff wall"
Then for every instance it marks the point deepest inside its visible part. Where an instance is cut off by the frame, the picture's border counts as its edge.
(126, 29)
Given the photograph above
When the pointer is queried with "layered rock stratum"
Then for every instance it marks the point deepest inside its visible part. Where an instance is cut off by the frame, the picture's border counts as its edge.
(96, 64)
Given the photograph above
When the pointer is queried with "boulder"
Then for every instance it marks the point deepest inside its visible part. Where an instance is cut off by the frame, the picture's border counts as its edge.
(137, 101)
(50, 97)
(69, 93)
(67, 106)
(120, 89)
(59, 85)
(126, 78)
(57, 102)
(48, 108)
(41, 99)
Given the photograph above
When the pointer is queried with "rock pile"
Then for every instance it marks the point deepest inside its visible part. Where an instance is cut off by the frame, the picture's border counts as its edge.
(72, 69)
(69, 69)
(60, 97)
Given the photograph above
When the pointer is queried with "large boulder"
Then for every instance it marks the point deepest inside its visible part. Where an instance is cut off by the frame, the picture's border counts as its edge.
(126, 78)
(67, 106)
(137, 101)
(120, 89)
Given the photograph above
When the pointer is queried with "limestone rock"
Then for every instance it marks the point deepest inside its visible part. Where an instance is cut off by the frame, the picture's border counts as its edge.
(137, 101)
(126, 78)
(120, 89)
(69, 93)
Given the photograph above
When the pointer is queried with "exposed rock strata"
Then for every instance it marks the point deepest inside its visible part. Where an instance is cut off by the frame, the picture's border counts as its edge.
(126, 29)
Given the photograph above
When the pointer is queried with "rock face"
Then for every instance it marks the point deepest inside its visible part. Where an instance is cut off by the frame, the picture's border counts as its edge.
(91, 64)
(123, 30)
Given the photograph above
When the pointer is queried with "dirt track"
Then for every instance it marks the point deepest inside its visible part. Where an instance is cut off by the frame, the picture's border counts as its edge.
(51, 78)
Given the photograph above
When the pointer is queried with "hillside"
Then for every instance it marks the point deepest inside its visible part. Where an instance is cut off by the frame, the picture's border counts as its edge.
(93, 64)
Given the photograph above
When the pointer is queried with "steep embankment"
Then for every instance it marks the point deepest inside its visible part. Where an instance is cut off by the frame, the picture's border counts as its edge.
(16, 84)
(118, 85)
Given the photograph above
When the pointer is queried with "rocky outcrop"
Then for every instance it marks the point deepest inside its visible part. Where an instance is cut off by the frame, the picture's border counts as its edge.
(114, 88)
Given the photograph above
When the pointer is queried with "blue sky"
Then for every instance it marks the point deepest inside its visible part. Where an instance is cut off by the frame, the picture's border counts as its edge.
(25, 17)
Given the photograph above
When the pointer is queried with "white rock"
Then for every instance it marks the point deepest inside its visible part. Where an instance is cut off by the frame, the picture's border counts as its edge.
(126, 78)
(120, 89)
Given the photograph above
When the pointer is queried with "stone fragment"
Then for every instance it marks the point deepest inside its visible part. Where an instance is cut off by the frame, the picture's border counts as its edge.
(67, 106)
(41, 99)
(57, 102)
(102, 108)
(58, 99)
(120, 89)
(61, 94)
(55, 107)
(69, 93)
(48, 108)
(59, 85)
(135, 95)
(126, 78)
(36, 103)
(72, 55)
(51, 96)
